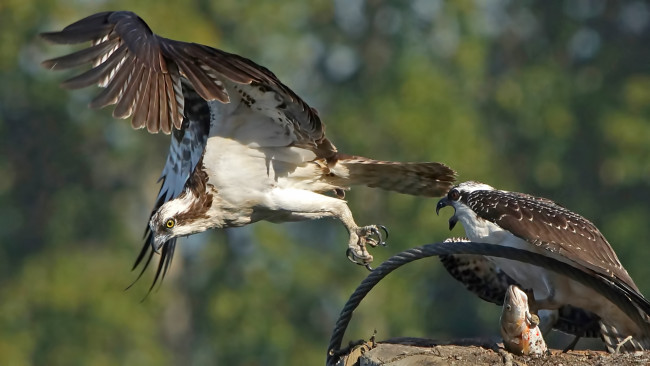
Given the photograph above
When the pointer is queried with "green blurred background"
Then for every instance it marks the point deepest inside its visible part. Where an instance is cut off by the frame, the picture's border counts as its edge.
(546, 97)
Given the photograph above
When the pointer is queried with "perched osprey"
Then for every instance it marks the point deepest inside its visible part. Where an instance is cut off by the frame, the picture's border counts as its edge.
(244, 146)
(540, 225)
(485, 279)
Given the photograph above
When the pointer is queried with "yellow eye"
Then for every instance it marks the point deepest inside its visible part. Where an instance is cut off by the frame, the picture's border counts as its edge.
(170, 223)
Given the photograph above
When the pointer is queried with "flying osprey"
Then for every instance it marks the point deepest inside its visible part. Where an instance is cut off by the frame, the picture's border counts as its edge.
(244, 146)
(540, 225)
(485, 279)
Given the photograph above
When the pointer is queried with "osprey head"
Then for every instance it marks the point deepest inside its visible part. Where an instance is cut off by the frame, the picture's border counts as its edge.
(174, 218)
(457, 198)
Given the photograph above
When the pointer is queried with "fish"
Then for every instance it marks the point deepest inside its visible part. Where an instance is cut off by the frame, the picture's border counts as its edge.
(519, 328)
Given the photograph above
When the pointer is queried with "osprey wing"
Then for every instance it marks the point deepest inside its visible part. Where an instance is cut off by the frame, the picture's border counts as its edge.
(483, 278)
(548, 225)
(185, 151)
(141, 73)
(479, 275)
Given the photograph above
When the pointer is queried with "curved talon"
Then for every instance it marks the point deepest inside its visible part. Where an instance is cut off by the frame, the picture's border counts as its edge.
(368, 267)
(373, 231)
(355, 259)
(351, 256)
(385, 232)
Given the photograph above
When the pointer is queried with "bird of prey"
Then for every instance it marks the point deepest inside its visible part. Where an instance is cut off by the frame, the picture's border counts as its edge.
(244, 146)
(485, 279)
(542, 226)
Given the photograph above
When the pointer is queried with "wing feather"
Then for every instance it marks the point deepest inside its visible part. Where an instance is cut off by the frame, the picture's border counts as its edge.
(122, 42)
(82, 57)
(163, 110)
(97, 74)
(126, 105)
(548, 225)
(87, 29)
(114, 88)
(185, 151)
(153, 114)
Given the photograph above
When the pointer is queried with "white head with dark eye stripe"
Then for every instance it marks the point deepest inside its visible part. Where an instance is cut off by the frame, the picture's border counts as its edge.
(168, 221)
(185, 215)
(457, 198)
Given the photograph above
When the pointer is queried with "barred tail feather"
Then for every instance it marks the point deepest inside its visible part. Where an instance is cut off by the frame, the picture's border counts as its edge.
(418, 179)
(614, 339)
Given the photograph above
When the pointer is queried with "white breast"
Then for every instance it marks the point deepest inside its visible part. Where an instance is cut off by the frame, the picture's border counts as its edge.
(234, 168)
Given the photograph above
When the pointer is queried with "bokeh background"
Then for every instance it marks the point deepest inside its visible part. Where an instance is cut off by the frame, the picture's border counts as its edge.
(546, 97)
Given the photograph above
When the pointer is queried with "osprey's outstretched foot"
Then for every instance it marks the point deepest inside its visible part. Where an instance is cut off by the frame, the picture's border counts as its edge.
(360, 237)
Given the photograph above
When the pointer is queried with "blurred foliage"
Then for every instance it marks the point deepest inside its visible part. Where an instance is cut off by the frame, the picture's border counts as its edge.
(550, 98)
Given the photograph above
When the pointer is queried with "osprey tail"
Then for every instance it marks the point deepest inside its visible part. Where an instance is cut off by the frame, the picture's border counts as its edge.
(417, 179)
(615, 341)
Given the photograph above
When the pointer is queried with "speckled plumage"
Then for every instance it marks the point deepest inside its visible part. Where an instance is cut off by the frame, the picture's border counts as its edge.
(542, 226)
(550, 226)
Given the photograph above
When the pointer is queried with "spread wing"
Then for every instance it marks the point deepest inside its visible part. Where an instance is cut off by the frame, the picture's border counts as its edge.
(141, 73)
(171, 86)
(546, 224)
(185, 151)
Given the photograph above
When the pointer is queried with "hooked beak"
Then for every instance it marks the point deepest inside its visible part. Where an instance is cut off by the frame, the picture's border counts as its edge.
(157, 243)
(159, 238)
(444, 202)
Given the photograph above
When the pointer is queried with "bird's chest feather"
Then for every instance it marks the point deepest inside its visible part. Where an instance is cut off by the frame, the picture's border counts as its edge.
(240, 172)
(230, 164)
(478, 229)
